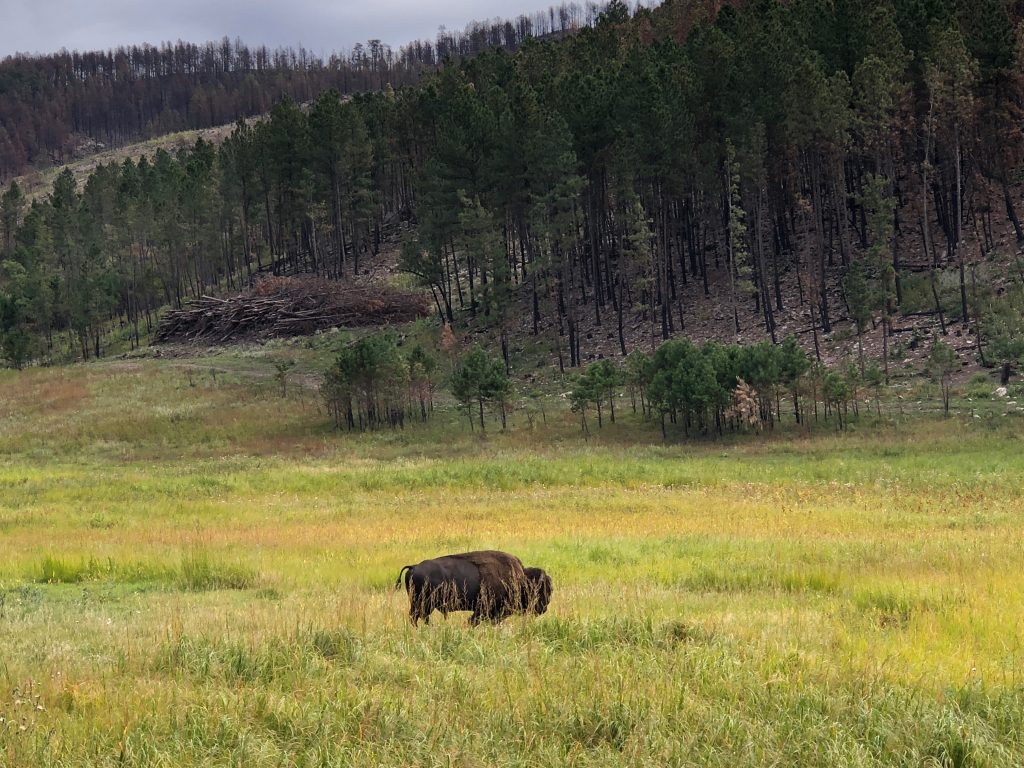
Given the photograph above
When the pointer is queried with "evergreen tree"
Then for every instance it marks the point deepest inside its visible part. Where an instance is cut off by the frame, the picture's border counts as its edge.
(942, 364)
(793, 366)
(740, 270)
(15, 336)
(12, 204)
(365, 387)
(951, 76)
(861, 303)
(1003, 325)
(879, 205)
(480, 379)
(637, 376)
(422, 369)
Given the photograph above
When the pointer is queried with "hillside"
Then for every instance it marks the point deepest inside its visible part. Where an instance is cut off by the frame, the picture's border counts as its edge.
(59, 108)
(729, 173)
(37, 184)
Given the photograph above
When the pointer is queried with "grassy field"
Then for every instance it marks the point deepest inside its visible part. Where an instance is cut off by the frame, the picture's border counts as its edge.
(194, 571)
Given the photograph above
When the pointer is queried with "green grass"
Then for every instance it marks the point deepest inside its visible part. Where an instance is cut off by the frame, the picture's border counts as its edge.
(201, 573)
(59, 570)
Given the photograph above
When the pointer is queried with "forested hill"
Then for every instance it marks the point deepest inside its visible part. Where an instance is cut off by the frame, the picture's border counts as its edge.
(56, 107)
(767, 166)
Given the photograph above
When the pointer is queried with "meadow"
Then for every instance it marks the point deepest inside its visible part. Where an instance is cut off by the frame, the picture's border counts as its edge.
(196, 571)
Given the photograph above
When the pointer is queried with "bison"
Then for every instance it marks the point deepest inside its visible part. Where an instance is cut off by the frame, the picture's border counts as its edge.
(491, 584)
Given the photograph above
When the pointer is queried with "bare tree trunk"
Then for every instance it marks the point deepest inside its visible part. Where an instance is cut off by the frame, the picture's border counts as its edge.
(959, 226)
(766, 304)
(826, 325)
(1011, 212)
(925, 223)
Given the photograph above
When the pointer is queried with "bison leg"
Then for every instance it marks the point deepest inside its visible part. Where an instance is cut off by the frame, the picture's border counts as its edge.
(420, 608)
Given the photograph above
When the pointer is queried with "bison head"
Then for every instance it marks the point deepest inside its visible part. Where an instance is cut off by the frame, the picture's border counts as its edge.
(538, 590)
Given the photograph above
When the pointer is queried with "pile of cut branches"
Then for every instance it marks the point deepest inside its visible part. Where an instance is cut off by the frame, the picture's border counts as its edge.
(289, 306)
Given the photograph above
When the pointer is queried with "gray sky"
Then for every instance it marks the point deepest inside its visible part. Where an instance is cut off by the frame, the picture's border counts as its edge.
(44, 26)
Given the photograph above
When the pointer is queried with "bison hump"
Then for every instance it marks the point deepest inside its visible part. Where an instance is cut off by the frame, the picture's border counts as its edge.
(501, 574)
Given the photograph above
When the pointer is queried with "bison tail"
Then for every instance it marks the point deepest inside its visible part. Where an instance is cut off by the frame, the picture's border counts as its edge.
(398, 581)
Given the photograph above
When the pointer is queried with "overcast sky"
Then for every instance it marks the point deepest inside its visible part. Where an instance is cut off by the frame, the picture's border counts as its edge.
(323, 26)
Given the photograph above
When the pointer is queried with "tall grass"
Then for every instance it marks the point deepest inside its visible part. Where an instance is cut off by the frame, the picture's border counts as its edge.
(214, 586)
(199, 571)
(53, 569)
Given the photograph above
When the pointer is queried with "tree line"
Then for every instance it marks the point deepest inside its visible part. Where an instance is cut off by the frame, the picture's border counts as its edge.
(374, 382)
(829, 159)
(716, 387)
(52, 105)
(698, 390)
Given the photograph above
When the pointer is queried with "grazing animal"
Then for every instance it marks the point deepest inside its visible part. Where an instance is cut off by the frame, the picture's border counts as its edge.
(538, 591)
(491, 584)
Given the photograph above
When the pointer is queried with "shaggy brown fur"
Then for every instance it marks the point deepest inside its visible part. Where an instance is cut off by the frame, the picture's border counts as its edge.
(502, 579)
(491, 584)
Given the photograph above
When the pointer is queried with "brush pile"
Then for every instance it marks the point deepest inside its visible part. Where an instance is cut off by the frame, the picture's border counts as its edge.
(289, 306)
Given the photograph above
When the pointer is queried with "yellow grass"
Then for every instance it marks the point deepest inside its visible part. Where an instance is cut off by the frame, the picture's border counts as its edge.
(203, 575)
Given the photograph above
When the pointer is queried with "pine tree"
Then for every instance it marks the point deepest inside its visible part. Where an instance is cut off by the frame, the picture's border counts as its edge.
(480, 379)
(861, 303)
(12, 204)
(286, 143)
(942, 364)
(879, 204)
(740, 271)
(15, 333)
(1003, 326)
(951, 75)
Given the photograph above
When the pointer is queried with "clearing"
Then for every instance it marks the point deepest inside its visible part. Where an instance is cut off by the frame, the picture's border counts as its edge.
(196, 571)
